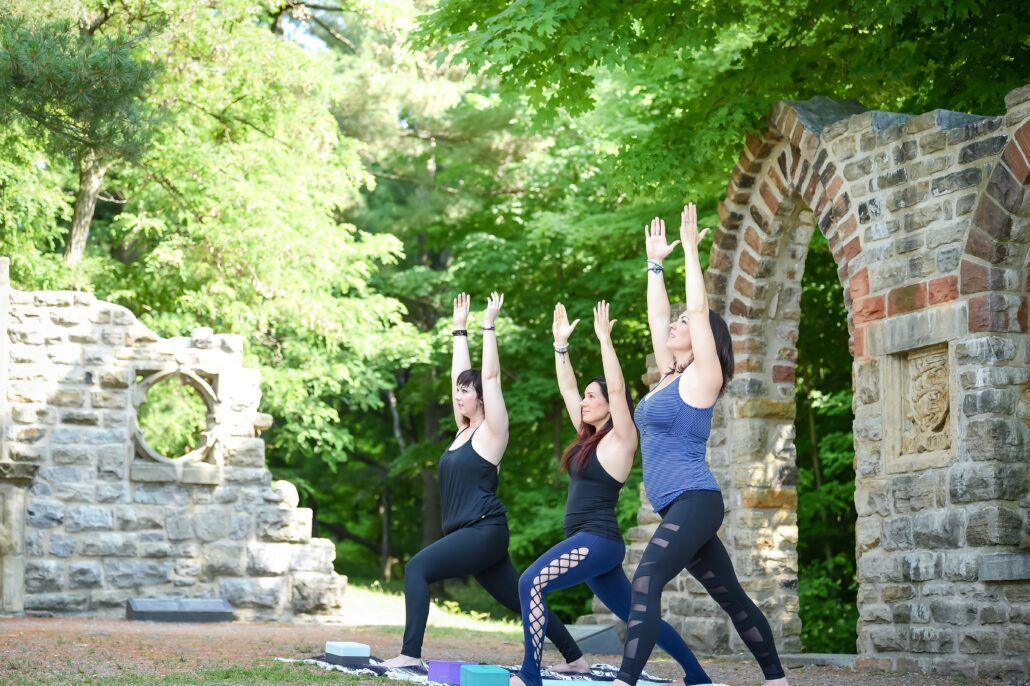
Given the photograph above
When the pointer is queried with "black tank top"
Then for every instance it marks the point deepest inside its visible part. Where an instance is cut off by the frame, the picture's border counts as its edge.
(593, 495)
(468, 489)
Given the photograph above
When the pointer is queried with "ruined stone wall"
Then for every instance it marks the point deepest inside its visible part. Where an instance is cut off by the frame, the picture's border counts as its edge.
(928, 219)
(92, 515)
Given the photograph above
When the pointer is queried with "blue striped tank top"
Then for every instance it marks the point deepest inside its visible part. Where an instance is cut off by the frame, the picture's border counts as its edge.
(673, 436)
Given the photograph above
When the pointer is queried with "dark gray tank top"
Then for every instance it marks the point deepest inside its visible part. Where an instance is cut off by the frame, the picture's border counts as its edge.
(468, 489)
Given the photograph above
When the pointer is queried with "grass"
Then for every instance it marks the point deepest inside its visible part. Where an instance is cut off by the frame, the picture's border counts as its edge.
(277, 673)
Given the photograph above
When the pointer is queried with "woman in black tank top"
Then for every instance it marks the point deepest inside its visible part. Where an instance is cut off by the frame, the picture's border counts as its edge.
(598, 463)
(472, 514)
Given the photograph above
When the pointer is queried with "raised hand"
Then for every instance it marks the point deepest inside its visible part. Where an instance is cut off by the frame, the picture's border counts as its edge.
(461, 311)
(493, 306)
(602, 326)
(654, 240)
(560, 326)
(688, 227)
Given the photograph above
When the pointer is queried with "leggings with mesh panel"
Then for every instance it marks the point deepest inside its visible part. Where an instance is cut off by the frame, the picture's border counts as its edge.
(480, 551)
(686, 539)
(597, 561)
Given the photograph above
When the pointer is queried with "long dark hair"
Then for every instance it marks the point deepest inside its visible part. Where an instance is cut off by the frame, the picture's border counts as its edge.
(474, 378)
(723, 348)
(575, 456)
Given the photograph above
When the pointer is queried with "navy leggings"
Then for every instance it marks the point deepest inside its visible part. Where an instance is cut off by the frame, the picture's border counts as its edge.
(481, 551)
(586, 557)
(686, 540)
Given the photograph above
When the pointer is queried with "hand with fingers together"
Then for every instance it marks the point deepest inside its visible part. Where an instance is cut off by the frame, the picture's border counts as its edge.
(493, 307)
(655, 243)
(560, 326)
(688, 227)
(461, 311)
(602, 325)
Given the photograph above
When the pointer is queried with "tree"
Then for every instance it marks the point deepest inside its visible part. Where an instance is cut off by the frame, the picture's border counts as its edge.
(85, 87)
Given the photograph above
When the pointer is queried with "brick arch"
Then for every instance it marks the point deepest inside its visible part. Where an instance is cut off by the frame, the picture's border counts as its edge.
(995, 269)
(786, 184)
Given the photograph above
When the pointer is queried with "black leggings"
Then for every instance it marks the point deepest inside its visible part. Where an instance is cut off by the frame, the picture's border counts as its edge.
(686, 539)
(480, 551)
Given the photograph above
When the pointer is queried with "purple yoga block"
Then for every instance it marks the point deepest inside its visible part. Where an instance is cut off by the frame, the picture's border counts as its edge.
(446, 671)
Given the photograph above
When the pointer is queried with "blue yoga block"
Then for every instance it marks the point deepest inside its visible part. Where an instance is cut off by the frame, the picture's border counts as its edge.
(484, 675)
(446, 671)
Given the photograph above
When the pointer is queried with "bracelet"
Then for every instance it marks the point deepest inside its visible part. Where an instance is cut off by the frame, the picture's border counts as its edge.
(561, 349)
(655, 266)
(460, 332)
(488, 328)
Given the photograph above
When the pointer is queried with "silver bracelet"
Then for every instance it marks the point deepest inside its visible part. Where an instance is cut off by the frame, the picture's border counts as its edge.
(561, 349)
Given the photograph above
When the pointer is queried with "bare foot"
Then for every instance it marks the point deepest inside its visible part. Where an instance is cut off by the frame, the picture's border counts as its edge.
(515, 681)
(402, 661)
(775, 682)
(579, 666)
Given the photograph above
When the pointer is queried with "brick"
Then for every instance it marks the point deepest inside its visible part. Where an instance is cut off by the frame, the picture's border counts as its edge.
(763, 221)
(993, 219)
(859, 283)
(852, 248)
(764, 247)
(975, 277)
(995, 312)
(981, 245)
(770, 197)
(782, 373)
(1005, 189)
(1017, 163)
(943, 290)
(869, 309)
(906, 299)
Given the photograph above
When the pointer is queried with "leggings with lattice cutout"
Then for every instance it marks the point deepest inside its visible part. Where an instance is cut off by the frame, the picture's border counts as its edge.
(686, 539)
(597, 561)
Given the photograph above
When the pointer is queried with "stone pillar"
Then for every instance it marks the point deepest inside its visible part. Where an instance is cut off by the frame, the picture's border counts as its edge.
(14, 479)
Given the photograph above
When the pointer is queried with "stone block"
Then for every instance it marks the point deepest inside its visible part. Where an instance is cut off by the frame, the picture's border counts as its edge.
(994, 525)
(955, 612)
(871, 497)
(257, 593)
(897, 533)
(996, 439)
(317, 593)
(961, 566)
(42, 576)
(84, 575)
(921, 566)
(109, 545)
(914, 492)
(1017, 641)
(888, 639)
(61, 545)
(89, 518)
(316, 556)
(179, 528)
(136, 518)
(213, 524)
(269, 559)
(161, 494)
(136, 573)
(223, 559)
(877, 566)
(931, 640)
(45, 514)
(57, 602)
(939, 529)
(245, 452)
(285, 525)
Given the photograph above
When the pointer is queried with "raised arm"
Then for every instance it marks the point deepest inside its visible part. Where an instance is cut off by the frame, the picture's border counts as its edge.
(567, 384)
(658, 311)
(496, 414)
(460, 360)
(623, 428)
(705, 370)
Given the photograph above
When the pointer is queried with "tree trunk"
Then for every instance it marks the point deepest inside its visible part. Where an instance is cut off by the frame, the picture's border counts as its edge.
(432, 529)
(385, 559)
(91, 174)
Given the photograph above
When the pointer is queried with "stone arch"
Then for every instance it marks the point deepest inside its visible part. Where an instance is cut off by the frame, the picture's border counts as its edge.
(785, 185)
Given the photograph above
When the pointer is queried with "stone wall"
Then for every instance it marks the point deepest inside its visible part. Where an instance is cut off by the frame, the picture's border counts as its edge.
(928, 218)
(92, 515)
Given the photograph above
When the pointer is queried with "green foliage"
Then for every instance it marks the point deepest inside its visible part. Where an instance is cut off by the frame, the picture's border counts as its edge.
(172, 417)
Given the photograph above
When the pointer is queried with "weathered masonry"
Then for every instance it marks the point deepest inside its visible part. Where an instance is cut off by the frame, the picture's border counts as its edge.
(91, 515)
(928, 218)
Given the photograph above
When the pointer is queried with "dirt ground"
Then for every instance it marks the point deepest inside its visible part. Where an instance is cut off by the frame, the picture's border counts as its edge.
(68, 650)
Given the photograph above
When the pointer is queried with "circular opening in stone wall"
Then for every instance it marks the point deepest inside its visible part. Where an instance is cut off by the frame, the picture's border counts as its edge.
(172, 417)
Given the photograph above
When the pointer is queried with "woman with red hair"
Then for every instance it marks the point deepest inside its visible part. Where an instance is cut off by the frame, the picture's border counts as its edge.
(598, 462)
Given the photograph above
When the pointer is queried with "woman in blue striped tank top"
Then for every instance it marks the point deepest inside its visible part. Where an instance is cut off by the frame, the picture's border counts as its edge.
(675, 419)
